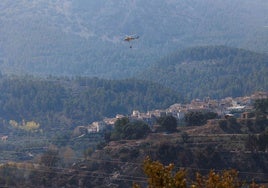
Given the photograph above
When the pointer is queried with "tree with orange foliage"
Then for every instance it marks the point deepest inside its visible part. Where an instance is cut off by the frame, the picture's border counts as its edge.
(160, 176)
(225, 179)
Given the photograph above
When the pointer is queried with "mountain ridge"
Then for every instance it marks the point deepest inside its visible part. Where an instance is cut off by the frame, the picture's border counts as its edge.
(215, 71)
(85, 38)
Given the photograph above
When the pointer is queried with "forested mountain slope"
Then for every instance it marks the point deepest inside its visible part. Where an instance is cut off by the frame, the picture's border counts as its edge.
(55, 102)
(214, 71)
(84, 37)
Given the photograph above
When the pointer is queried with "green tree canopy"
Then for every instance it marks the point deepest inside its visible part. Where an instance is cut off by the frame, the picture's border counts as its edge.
(197, 118)
(168, 123)
(126, 129)
(261, 106)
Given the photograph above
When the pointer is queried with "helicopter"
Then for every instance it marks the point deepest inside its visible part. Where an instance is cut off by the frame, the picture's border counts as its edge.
(129, 38)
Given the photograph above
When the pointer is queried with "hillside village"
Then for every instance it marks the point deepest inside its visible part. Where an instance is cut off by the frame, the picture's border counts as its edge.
(239, 107)
(89, 161)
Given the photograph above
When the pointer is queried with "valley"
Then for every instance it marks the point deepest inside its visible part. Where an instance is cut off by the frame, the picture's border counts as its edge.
(134, 93)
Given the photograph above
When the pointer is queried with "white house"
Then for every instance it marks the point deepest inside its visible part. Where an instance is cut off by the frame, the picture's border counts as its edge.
(96, 127)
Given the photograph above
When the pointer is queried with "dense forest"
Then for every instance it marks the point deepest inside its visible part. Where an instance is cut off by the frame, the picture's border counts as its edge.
(214, 71)
(78, 101)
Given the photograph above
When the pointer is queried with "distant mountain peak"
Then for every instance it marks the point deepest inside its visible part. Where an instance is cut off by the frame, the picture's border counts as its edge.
(70, 37)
